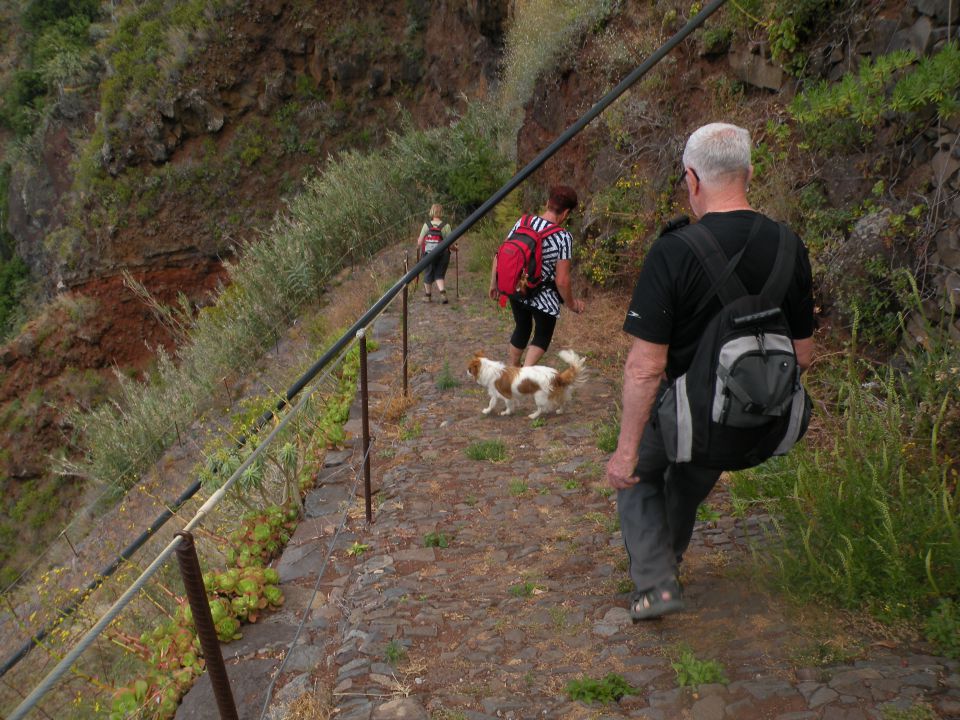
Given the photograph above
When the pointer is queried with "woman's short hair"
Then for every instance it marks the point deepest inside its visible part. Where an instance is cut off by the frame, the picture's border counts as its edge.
(436, 211)
(717, 150)
(562, 197)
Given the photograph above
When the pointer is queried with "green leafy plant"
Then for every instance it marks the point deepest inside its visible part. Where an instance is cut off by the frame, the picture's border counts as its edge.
(492, 450)
(942, 628)
(705, 513)
(539, 422)
(436, 539)
(694, 672)
(609, 689)
(411, 431)
(261, 535)
(524, 589)
(790, 25)
(357, 549)
(572, 485)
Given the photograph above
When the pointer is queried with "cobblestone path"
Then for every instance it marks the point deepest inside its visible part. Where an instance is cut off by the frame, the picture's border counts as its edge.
(487, 587)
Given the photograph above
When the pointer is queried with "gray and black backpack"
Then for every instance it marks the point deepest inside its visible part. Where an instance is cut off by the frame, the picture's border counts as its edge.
(740, 400)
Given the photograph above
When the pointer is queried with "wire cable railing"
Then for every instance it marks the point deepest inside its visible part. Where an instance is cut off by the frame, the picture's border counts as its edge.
(108, 617)
(170, 509)
(367, 243)
(339, 348)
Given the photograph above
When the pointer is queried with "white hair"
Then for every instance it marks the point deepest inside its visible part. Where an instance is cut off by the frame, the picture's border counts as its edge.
(718, 150)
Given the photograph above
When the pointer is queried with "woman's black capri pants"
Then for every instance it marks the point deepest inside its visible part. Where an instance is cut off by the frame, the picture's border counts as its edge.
(525, 317)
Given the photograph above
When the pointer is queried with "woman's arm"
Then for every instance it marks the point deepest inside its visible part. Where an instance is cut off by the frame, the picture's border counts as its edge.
(565, 286)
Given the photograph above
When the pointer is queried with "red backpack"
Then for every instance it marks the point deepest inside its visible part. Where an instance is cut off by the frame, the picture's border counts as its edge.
(520, 260)
(433, 236)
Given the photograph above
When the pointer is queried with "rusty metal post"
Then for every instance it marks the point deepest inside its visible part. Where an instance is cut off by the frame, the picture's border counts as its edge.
(365, 414)
(203, 621)
(404, 355)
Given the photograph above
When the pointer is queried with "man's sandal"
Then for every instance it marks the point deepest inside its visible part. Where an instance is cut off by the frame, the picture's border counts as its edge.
(656, 602)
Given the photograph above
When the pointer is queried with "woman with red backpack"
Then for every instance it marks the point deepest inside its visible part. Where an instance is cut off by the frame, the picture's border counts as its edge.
(431, 235)
(532, 270)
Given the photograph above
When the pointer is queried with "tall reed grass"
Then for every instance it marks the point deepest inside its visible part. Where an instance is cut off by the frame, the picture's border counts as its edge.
(866, 511)
(545, 32)
(359, 204)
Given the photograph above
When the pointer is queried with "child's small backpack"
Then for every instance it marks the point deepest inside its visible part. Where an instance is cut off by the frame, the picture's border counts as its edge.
(740, 400)
(433, 236)
(520, 259)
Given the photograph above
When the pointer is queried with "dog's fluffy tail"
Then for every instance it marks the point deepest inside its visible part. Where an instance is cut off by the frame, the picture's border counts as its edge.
(576, 373)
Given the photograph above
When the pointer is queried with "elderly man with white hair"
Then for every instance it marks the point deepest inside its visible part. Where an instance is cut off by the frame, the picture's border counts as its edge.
(657, 500)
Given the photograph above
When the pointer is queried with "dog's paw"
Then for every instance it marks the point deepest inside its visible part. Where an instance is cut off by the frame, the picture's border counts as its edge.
(486, 411)
(506, 412)
(559, 411)
(534, 416)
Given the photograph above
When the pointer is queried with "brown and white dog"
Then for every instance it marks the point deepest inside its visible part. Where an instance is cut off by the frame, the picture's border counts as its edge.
(551, 389)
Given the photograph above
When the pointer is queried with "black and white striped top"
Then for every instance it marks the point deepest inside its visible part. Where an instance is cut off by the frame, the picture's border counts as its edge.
(558, 246)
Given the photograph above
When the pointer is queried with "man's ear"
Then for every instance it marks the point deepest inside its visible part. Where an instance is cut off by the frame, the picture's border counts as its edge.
(749, 175)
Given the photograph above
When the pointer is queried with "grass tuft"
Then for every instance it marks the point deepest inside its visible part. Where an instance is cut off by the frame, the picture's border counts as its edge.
(492, 450)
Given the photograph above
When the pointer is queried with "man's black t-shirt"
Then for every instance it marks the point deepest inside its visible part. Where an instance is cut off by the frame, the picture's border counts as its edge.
(672, 283)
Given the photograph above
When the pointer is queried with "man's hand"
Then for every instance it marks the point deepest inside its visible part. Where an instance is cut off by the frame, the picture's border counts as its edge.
(493, 293)
(577, 306)
(620, 469)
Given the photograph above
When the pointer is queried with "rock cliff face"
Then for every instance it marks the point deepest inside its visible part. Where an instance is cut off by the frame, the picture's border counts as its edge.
(325, 76)
(206, 164)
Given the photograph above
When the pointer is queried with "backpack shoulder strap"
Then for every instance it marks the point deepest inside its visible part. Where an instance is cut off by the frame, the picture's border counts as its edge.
(776, 286)
(724, 283)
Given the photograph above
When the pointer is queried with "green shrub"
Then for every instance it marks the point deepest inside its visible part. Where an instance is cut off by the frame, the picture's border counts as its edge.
(845, 114)
(13, 279)
(23, 100)
(793, 22)
(842, 114)
(943, 628)
(40, 14)
(867, 512)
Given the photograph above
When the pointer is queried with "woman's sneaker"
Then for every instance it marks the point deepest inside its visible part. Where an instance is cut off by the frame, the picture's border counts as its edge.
(443, 297)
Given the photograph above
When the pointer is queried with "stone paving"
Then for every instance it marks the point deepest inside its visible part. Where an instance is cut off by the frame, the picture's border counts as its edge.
(488, 586)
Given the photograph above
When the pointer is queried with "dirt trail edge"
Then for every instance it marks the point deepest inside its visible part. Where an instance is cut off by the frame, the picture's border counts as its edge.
(486, 587)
